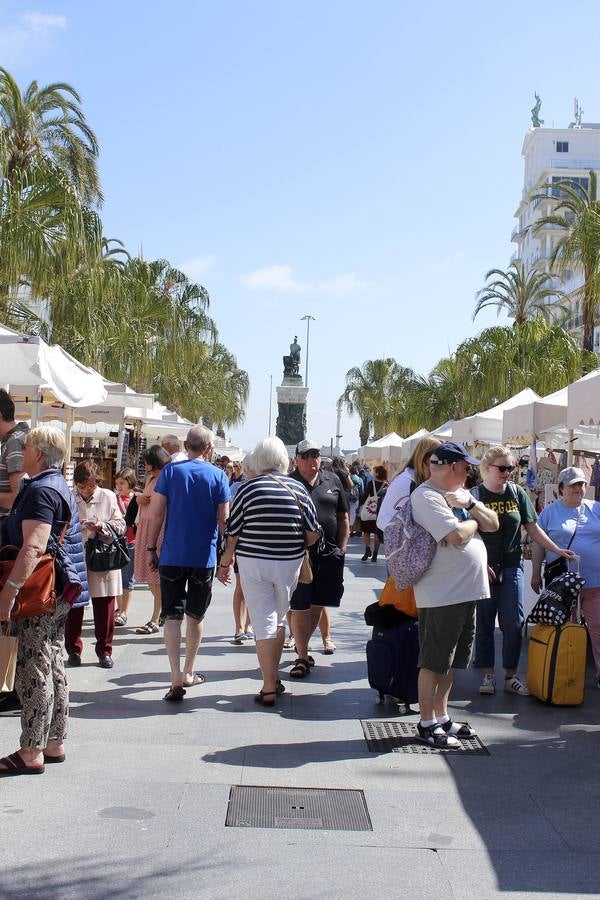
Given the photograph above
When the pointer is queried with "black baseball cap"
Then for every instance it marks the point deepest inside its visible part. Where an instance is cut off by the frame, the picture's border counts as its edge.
(449, 452)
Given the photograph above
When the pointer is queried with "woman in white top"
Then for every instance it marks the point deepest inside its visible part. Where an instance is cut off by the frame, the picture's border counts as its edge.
(415, 471)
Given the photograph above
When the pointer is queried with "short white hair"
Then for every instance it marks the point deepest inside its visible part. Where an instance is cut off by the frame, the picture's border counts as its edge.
(50, 442)
(248, 464)
(270, 454)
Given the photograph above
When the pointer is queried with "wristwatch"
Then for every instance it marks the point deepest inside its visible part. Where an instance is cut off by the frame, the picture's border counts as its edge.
(151, 549)
(471, 504)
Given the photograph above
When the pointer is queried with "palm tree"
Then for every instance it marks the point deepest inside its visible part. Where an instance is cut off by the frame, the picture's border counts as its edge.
(576, 214)
(44, 230)
(49, 123)
(519, 295)
(378, 392)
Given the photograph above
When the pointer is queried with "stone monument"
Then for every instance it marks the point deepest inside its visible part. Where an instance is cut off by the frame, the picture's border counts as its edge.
(291, 400)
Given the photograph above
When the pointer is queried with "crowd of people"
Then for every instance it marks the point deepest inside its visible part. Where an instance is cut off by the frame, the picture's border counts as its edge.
(280, 531)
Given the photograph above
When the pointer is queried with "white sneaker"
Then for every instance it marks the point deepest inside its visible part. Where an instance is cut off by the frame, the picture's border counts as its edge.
(514, 685)
(488, 685)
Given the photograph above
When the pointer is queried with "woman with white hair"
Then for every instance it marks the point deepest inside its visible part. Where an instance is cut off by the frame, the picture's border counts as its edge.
(272, 521)
(43, 508)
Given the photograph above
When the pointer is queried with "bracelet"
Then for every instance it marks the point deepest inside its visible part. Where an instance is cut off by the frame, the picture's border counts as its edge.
(221, 566)
(151, 549)
(15, 587)
(471, 505)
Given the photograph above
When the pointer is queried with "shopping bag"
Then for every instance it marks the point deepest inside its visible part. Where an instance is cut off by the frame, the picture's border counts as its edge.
(8, 661)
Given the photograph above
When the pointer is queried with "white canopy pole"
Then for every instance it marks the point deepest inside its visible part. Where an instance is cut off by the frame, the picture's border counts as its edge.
(570, 440)
(68, 432)
(36, 402)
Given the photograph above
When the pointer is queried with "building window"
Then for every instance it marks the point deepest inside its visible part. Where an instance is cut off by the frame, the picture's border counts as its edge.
(562, 146)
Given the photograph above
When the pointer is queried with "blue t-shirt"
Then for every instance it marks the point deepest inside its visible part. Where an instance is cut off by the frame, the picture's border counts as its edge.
(558, 521)
(194, 490)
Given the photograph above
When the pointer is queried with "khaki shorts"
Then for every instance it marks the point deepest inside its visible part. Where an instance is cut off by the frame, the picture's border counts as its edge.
(446, 636)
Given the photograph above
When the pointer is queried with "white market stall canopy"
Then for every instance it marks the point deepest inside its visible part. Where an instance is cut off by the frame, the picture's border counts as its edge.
(583, 406)
(522, 423)
(28, 365)
(411, 442)
(486, 427)
(378, 449)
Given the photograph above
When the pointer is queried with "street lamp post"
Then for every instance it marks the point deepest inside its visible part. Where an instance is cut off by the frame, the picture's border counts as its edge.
(308, 319)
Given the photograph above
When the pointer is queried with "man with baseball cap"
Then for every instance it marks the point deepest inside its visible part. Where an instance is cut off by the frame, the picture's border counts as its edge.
(446, 595)
(308, 600)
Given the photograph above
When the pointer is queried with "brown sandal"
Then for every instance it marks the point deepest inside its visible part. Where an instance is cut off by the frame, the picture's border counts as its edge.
(15, 765)
(300, 669)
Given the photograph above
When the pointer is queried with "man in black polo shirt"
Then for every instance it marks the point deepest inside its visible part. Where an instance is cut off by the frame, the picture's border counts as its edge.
(329, 497)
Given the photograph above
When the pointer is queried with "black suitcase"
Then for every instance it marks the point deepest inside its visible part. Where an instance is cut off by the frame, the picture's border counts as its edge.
(392, 655)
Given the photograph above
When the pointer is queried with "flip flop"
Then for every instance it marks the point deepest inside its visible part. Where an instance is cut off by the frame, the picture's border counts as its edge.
(197, 679)
(54, 759)
(15, 765)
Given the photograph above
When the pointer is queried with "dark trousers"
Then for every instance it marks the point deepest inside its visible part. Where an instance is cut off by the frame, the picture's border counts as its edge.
(104, 627)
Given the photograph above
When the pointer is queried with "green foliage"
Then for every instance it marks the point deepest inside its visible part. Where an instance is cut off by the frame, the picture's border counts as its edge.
(576, 213)
(482, 372)
(143, 323)
(519, 295)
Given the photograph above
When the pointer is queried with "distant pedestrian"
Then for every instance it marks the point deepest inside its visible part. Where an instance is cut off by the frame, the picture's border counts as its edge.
(125, 484)
(172, 445)
(155, 459)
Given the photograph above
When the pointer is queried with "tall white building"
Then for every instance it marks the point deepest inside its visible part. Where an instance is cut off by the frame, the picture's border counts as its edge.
(551, 155)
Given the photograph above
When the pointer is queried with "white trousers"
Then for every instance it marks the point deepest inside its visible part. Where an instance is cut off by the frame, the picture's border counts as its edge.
(268, 585)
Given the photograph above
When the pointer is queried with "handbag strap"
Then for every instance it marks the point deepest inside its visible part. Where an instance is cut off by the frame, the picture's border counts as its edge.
(294, 495)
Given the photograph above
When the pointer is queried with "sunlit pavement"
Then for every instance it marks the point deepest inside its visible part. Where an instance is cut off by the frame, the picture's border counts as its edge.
(139, 808)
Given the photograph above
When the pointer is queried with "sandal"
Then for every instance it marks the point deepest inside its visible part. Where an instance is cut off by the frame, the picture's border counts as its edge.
(54, 759)
(120, 618)
(148, 628)
(196, 679)
(458, 729)
(437, 737)
(260, 698)
(328, 647)
(279, 688)
(289, 643)
(15, 765)
(175, 694)
(300, 669)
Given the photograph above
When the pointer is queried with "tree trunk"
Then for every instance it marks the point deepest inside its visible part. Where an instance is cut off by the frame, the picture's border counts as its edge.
(363, 433)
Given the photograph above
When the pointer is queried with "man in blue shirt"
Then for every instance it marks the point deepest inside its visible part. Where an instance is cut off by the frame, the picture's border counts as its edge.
(193, 501)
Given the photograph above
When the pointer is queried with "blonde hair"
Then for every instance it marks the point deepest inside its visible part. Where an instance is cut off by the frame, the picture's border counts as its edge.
(419, 458)
(492, 454)
(49, 441)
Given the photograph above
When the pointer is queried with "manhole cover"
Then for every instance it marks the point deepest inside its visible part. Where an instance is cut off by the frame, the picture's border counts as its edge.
(402, 737)
(323, 809)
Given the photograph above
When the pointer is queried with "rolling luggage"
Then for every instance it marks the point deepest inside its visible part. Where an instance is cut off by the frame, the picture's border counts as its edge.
(556, 662)
(392, 655)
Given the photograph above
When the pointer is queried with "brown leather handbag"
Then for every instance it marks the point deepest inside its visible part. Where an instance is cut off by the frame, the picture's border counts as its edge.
(38, 595)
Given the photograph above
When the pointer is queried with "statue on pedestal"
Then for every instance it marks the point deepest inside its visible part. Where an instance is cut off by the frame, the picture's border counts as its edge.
(291, 363)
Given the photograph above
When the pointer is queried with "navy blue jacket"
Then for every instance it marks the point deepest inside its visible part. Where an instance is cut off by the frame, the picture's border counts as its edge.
(12, 532)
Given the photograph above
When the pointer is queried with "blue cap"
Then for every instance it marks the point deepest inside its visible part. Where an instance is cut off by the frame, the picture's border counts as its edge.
(449, 452)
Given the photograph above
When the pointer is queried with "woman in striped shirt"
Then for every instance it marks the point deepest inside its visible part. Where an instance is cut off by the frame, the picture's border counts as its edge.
(272, 521)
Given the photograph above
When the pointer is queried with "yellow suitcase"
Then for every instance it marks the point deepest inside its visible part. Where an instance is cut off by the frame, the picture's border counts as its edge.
(556, 663)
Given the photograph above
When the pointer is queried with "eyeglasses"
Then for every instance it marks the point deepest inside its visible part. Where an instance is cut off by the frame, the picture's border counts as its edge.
(504, 468)
(310, 454)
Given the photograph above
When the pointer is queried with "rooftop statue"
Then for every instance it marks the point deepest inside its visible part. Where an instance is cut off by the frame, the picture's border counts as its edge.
(535, 112)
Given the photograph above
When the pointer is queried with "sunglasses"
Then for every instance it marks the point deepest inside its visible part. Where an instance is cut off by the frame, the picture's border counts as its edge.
(504, 468)
(310, 454)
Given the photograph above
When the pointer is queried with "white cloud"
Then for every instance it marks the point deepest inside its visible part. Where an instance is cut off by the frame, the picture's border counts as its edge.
(197, 266)
(21, 41)
(43, 21)
(283, 279)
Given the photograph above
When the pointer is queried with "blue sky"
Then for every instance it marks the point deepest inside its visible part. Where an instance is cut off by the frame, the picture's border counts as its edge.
(358, 162)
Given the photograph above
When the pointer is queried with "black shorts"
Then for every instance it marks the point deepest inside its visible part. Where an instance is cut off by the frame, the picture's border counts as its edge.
(327, 586)
(185, 590)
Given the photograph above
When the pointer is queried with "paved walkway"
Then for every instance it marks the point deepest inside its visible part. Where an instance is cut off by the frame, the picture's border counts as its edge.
(138, 810)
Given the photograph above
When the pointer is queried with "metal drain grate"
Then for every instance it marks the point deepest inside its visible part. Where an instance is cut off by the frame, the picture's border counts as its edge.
(402, 737)
(309, 808)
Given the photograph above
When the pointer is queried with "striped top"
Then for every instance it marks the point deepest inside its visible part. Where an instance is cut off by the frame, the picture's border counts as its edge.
(266, 519)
